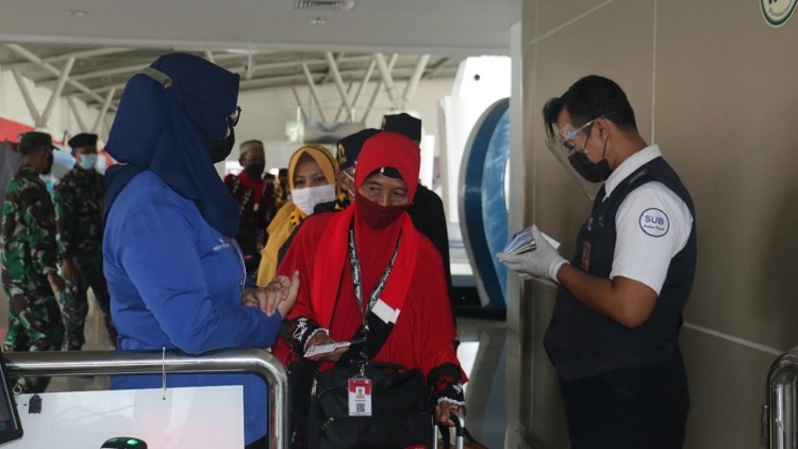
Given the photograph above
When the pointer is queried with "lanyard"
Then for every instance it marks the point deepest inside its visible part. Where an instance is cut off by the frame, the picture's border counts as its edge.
(356, 275)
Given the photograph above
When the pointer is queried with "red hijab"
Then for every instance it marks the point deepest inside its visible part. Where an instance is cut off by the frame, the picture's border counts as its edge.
(389, 149)
(374, 246)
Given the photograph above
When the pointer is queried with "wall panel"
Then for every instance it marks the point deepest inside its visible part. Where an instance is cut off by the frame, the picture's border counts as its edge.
(725, 103)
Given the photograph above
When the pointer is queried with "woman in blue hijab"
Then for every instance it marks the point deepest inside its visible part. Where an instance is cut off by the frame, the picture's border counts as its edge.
(174, 269)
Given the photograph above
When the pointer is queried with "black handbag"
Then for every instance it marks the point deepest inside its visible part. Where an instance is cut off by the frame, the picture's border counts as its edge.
(401, 414)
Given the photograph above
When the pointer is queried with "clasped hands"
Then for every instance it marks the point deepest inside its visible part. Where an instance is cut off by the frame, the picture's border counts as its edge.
(280, 295)
(542, 262)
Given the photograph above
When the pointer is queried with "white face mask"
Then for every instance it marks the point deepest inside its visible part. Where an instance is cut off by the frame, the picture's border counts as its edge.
(306, 199)
(349, 191)
(88, 161)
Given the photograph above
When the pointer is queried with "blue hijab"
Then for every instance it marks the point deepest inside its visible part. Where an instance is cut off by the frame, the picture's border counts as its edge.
(166, 118)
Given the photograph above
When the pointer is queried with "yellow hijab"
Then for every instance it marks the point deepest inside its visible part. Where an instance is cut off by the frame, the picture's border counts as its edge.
(289, 216)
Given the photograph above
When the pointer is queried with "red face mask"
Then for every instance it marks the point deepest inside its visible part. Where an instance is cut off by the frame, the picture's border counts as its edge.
(376, 216)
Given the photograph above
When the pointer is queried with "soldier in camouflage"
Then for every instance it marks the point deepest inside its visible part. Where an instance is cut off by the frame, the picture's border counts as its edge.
(29, 257)
(79, 198)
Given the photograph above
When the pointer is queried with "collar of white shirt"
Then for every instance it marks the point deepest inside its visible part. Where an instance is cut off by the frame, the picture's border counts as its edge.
(628, 167)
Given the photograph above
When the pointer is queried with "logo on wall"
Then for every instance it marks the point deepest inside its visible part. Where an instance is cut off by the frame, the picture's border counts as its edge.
(778, 12)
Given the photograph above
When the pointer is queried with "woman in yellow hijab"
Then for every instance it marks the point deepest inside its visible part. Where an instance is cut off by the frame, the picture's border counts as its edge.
(311, 179)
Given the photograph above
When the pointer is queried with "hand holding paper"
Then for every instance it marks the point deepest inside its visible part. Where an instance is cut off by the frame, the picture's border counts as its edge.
(323, 348)
(543, 261)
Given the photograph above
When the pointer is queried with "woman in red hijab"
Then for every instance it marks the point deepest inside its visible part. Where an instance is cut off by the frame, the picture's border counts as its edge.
(368, 265)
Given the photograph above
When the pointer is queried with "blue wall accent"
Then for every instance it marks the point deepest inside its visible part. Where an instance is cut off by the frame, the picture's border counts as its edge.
(483, 203)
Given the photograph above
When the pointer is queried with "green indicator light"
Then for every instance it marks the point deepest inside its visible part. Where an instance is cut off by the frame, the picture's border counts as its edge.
(132, 442)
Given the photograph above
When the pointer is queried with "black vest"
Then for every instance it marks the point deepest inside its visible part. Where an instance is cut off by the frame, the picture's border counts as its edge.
(581, 343)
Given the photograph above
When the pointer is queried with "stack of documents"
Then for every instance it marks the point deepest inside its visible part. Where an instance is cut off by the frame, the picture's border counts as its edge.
(521, 242)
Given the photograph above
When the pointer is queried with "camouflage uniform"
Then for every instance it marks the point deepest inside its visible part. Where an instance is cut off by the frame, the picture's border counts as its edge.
(28, 240)
(79, 198)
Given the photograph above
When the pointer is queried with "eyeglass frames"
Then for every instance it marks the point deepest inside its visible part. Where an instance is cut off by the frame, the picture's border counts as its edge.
(233, 119)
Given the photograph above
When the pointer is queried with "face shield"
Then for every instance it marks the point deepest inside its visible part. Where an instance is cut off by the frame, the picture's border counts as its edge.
(568, 146)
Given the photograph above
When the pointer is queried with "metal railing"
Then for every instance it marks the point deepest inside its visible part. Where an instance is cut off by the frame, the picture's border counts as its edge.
(82, 363)
(779, 416)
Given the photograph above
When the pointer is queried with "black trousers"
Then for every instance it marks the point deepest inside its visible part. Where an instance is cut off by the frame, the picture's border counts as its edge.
(642, 407)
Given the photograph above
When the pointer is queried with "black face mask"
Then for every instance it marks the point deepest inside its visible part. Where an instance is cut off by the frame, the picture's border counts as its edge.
(592, 172)
(254, 171)
(222, 148)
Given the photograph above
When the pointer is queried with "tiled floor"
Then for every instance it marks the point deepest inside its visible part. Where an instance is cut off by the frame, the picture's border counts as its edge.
(486, 395)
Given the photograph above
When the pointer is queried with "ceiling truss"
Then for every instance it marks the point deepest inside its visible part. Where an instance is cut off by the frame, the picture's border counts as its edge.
(97, 76)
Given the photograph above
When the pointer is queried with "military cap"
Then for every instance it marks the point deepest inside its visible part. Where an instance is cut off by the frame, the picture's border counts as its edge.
(349, 147)
(403, 124)
(83, 140)
(28, 142)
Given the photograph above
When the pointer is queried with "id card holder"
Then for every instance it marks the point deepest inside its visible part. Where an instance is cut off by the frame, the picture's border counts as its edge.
(359, 396)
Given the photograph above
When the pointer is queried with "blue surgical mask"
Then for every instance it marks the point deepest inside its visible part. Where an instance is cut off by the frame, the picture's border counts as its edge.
(88, 161)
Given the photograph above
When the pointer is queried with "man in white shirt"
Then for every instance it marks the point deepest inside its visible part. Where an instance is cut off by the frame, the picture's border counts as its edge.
(613, 336)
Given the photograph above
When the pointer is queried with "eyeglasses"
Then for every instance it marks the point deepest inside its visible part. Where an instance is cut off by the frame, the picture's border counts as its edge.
(564, 137)
(233, 119)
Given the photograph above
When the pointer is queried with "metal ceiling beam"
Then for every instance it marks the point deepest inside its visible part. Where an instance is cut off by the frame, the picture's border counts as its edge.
(85, 54)
(304, 117)
(130, 69)
(339, 83)
(365, 80)
(342, 106)
(218, 59)
(281, 80)
(40, 120)
(277, 82)
(329, 74)
(437, 67)
(378, 90)
(314, 65)
(59, 87)
(313, 92)
(249, 66)
(79, 118)
(18, 49)
(104, 110)
(23, 89)
(412, 83)
(387, 80)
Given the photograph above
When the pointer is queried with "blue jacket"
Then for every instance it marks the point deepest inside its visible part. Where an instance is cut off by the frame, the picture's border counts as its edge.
(176, 283)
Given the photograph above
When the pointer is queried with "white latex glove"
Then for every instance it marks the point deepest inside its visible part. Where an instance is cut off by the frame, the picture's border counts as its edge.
(542, 262)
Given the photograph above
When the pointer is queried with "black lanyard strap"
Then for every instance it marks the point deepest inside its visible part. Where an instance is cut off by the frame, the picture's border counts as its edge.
(357, 280)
